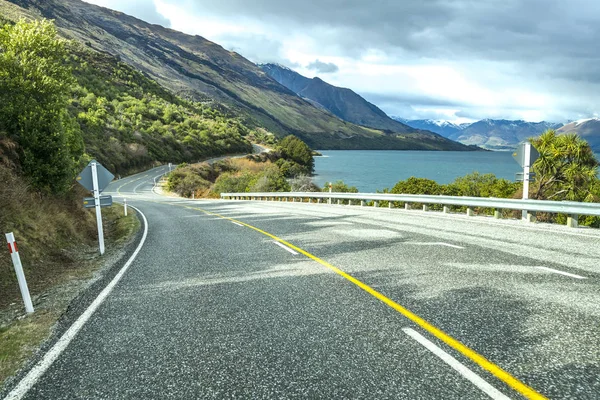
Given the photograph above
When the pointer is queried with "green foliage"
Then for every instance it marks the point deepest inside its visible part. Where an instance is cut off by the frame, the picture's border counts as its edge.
(481, 185)
(296, 151)
(566, 169)
(234, 182)
(35, 87)
(340, 187)
(130, 121)
(417, 186)
(271, 179)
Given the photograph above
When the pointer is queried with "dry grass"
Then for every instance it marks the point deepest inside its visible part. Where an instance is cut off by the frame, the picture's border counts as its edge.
(243, 164)
(58, 246)
(21, 339)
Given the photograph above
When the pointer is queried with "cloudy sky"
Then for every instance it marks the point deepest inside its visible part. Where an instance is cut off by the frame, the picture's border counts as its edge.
(456, 60)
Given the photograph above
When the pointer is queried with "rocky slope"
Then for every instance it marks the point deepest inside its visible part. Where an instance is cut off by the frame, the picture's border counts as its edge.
(342, 102)
(202, 70)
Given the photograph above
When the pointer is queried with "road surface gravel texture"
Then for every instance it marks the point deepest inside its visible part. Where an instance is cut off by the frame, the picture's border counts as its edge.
(212, 308)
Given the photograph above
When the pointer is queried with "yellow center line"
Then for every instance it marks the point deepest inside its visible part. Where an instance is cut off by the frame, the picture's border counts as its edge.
(477, 358)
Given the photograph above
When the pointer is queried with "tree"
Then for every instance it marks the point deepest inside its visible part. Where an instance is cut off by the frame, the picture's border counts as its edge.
(294, 149)
(566, 168)
(417, 186)
(481, 185)
(35, 86)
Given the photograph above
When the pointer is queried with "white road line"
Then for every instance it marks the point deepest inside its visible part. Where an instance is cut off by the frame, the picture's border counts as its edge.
(285, 247)
(55, 351)
(236, 223)
(456, 365)
(556, 271)
(136, 188)
(435, 244)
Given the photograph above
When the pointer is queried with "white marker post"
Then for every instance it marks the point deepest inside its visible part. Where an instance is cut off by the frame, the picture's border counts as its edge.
(169, 167)
(16, 259)
(330, 186)
(125, 206)
(98, 208)
(526, 168)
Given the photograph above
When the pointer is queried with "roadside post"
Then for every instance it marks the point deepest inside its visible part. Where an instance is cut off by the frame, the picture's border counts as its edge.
(330, 188)
(96, 178)
(525, 155)
(16, 259)
(170, 165)
(125, 206)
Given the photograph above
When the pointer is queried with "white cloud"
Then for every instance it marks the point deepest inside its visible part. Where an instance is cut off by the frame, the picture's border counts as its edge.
(436, 59)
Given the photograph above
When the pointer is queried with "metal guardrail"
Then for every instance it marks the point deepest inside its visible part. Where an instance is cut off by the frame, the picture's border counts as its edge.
(571, 208)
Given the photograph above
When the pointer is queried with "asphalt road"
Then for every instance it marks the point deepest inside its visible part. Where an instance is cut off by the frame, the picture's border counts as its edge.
(213, 308)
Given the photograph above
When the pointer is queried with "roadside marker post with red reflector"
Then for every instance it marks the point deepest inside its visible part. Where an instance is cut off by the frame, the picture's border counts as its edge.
(16, 259)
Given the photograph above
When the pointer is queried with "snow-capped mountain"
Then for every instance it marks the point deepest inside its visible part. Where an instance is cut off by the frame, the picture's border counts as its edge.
(492, 134)
(588, 129)
(444, 128)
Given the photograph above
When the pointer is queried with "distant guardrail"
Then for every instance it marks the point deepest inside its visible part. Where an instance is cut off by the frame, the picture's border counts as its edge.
(571, 208)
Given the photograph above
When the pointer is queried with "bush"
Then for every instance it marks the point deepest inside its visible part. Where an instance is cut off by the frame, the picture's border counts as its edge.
(303, 183)
(295, 150)
(234, 182)
(35, 87)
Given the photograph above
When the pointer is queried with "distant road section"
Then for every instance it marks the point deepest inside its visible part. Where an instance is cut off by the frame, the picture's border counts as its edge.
(237, 299)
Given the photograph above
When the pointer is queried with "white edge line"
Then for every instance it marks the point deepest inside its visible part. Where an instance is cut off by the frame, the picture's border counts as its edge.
(556, 271)
(285, 247)
(456, 365)
(56, 350)
(236, 223)
(449, 245)
(435, 244)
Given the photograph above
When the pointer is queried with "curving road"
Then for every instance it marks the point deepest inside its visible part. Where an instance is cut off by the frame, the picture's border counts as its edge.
(284, 300)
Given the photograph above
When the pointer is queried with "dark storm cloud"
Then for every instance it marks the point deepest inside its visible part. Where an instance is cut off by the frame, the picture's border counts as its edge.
(532, 33)
(322, 67)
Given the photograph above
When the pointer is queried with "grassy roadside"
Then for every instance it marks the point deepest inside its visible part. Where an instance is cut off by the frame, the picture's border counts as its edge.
(21, 335)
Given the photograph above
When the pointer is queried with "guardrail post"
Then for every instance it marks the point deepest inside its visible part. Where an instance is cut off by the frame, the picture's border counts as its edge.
(446, 209)
(339, 202)
(406, 206)
(375, 204)
(497, 214)
(362, 203)
(425, 207)
(572, 220)
(390, 204)
(470, 211)
(319, 200)
(16, 259)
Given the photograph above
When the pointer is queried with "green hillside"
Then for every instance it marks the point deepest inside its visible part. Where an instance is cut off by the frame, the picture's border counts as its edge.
(200, 70)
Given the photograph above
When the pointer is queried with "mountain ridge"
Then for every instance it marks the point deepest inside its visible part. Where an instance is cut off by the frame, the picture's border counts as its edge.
(491, 134)
(201, 70)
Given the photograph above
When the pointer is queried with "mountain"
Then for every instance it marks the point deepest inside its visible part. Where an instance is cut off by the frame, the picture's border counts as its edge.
(444, 128)
(342, 102)
(501, 134)
(201, 70)
(588, 129)
(491, 134)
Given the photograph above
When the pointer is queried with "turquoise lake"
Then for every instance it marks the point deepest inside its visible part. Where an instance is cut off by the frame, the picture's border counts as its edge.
(370, 170)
